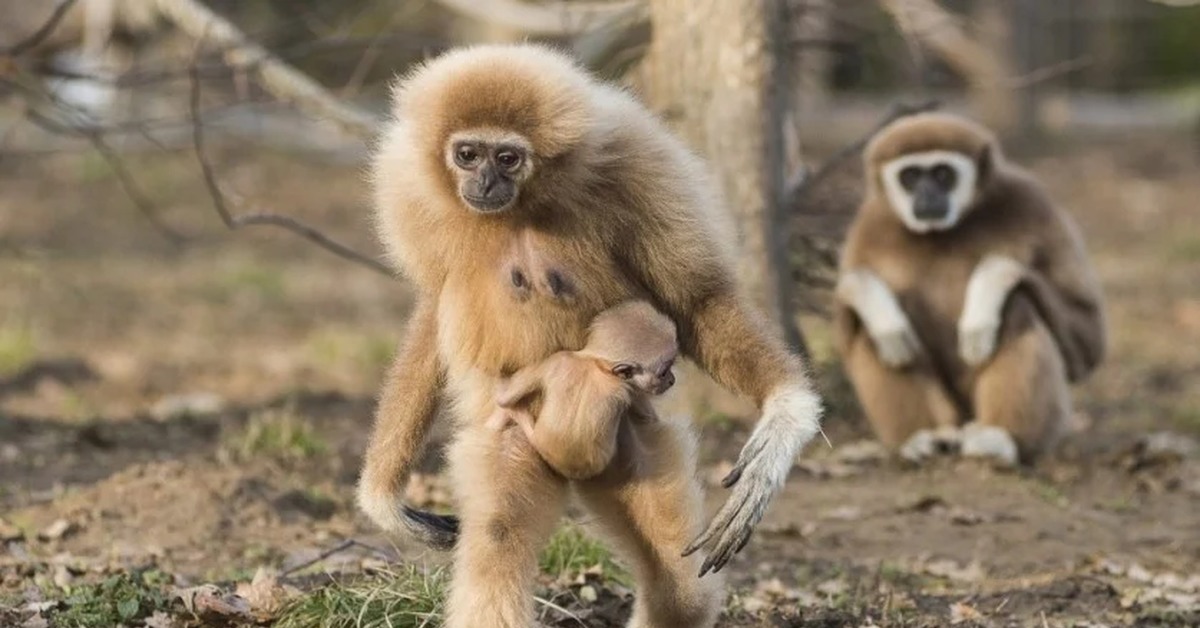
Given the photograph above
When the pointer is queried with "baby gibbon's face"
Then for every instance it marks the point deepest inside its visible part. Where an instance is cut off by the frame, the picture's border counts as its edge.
(653, 379)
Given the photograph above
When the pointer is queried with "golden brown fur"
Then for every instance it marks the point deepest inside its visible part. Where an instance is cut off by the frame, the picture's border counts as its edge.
(570, 405)
(615, 209)
(1051, 329)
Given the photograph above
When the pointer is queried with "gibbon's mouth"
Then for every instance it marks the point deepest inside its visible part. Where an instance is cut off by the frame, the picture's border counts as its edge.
(487, 205)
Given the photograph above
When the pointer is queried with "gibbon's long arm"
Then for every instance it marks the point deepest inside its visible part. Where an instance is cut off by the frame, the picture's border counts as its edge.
(1067, 293)
(407, 407)
(868, 298)
(735, 345)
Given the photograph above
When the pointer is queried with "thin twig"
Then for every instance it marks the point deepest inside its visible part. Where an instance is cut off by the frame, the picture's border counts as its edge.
(1048, 72)
(221, 205)
(126, 180)
(340, 547)
(42, 33)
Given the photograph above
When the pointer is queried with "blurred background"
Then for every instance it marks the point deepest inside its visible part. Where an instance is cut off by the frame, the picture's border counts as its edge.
(194, 319)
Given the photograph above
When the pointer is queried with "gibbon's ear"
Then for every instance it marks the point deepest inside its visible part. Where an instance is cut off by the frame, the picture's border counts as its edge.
(624, 370)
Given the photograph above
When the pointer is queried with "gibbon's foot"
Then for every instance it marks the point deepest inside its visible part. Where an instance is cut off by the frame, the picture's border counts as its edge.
(925, 444)
(989, 442)
(437, 531)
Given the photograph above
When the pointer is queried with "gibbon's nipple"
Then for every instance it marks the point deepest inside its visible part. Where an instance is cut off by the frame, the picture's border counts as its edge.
(518, 278)
(559, 286)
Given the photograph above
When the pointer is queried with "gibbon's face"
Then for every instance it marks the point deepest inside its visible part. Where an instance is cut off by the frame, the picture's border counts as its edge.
(653, 379)
(489, 168)
(931, 190)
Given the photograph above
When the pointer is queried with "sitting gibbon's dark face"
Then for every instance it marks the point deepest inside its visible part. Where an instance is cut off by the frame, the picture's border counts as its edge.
(489, 168)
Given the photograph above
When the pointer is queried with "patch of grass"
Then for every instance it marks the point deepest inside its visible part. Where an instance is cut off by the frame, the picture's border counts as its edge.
(1048, 492)
(18, 347)
(407, 598)
(118, 600)
(368, 352)
(266, 283)
(1184, 248)
(278, 433)
(571, 552)
(1187, 418)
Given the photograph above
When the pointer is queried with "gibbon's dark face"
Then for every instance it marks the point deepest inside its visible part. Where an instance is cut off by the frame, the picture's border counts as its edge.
(653, 379)
(930, 191)
(489, 170)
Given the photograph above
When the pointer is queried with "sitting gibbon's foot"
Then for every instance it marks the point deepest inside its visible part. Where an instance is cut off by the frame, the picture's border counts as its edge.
(989, 442)
(925, 444)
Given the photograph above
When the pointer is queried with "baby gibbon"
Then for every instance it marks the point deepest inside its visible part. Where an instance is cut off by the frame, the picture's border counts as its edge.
(570, 405)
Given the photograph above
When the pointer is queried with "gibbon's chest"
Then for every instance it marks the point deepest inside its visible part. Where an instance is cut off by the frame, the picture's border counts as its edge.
(524, 295)
(929, 274)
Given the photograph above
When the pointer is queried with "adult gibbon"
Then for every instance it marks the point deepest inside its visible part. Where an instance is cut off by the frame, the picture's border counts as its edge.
(965, 296)
(522, 197)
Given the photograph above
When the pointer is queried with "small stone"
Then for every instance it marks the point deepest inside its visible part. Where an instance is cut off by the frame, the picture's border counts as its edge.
(192, 404)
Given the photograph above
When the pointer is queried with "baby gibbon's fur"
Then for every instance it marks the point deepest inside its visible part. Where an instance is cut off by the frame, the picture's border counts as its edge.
(571, 405)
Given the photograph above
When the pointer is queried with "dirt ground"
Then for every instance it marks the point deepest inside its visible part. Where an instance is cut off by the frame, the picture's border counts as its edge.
(200, 409)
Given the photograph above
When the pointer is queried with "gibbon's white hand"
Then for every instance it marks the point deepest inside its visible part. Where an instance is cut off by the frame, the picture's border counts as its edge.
(978, 327)
(790, 419)
(895, 341)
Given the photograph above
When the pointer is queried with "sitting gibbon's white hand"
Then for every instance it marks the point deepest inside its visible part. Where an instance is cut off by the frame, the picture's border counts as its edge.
(890, 331)
(987, 290)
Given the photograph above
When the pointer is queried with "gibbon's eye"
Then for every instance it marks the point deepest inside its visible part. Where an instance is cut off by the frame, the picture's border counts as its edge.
(466, 155)
(508, 159)
(909, 177)
(944, 175)
(624, 371)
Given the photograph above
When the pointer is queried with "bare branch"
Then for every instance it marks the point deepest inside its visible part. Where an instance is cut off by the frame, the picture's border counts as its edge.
(41, 33)
(221, 205)
(543, 18)
(803, 181)
(277, 77)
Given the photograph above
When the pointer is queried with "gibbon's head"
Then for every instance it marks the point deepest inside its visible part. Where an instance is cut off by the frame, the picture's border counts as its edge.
(637, 344)
(493, 117)
(931, 168)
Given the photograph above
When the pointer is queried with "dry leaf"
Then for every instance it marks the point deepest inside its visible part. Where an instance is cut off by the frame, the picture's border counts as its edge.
(961, 612)
(264, 593)
(57, 530)
(160, 619)
(951, 570)
(208, 599)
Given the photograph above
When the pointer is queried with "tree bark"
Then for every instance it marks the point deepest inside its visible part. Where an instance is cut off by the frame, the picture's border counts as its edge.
(717, 71)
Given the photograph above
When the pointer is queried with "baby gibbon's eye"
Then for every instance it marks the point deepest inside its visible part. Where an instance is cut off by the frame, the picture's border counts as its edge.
(508, 159)
(624, 371)
(909, 177)
(466, 155)
(944, 175)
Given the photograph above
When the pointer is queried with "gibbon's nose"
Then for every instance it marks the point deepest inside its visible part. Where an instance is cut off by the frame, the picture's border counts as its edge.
(929, 201)
(487, 182)
(666, 382)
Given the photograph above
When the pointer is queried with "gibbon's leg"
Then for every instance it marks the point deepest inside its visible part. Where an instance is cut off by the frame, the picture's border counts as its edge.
(509, 503)
(651, 505)
(898, 402)
(1023, 389)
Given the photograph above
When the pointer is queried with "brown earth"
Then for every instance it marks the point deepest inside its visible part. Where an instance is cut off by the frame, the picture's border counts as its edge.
(280, 346)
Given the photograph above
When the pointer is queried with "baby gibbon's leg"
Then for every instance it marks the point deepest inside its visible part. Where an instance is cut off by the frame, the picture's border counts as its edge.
(651, 506)
(898, 402)
(509, 504)
(1023, 388)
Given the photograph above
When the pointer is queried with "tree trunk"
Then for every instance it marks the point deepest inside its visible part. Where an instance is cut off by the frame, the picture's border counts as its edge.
(717, 71)
(714, 70)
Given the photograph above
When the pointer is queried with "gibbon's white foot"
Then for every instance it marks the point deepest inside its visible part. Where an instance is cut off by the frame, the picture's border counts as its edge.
(989, 442)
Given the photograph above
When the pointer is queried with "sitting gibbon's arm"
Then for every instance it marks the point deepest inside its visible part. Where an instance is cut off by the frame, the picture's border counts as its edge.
(407, 407)
(1067, 293)
(734, 344)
